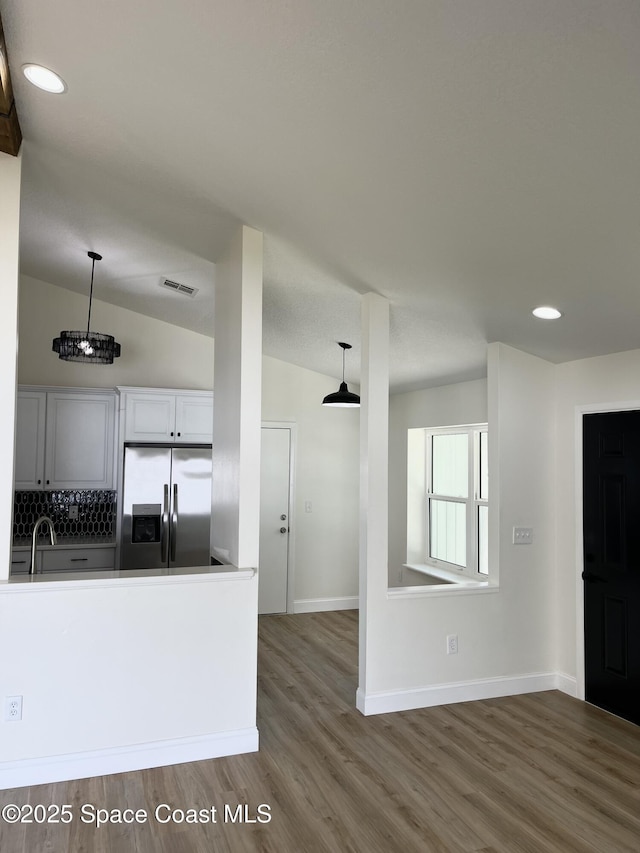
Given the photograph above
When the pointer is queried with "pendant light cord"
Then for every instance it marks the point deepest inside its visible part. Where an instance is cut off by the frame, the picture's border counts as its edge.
(93, 266)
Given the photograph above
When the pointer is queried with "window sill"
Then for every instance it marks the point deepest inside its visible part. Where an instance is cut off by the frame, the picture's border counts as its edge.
(440, 589)
(447, 577)
(455, 586)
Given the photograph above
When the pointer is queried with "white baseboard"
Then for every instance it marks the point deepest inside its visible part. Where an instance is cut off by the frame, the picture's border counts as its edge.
(463, 691)
(317, 605)
(567, 683)
(81, 765)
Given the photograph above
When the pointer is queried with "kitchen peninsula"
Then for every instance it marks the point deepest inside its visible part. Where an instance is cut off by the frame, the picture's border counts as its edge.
(161, 663)
(175, 645)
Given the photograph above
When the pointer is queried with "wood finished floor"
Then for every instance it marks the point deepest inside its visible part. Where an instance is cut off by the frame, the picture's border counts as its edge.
(532, 773)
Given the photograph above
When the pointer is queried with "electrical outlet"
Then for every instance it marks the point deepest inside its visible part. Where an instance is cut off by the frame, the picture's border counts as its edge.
(73, 512)
(308, 506)
(452, 644)
(12, 708)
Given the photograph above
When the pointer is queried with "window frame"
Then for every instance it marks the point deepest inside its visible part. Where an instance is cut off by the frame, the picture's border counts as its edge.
(473, 501)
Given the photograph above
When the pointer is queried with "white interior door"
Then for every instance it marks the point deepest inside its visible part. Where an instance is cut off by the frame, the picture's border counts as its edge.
(274, 520)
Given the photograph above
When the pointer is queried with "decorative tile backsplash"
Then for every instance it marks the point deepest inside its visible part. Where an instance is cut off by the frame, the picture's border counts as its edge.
(88, 514)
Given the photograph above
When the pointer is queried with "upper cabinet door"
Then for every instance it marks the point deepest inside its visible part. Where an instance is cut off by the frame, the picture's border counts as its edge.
(79, 441)
(194, 418)
(150, 417)
(29, 443)
(171, 418)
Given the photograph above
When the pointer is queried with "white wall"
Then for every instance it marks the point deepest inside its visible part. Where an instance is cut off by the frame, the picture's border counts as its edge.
(154, 353)
(519, 424)
(326, 546)
(449, 405)
(606, 382)
(505, 634)
(10, 171)
(327, 470)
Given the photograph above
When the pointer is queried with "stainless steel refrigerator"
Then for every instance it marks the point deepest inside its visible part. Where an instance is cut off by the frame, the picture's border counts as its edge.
(166, 507)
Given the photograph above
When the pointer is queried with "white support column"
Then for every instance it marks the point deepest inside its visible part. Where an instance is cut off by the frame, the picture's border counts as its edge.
(237, 395)
(374, 477)
(10, 169)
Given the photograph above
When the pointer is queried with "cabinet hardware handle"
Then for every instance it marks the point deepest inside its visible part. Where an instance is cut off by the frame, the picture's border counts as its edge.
(78, 559)
(39, 481)
(18, 562)
(171, 435)
(47, 482)
(179, 435)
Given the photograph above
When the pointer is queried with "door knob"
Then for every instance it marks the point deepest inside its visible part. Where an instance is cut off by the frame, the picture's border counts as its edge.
(589, 576)
(283, 530)
(283, 517)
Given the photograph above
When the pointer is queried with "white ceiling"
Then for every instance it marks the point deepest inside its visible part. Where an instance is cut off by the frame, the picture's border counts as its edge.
(467, 159)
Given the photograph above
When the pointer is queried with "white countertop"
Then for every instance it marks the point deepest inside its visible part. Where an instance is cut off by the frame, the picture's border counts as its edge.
(69, 543)
(131, 577)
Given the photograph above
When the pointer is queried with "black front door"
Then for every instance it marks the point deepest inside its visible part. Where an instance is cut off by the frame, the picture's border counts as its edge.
(611, 575)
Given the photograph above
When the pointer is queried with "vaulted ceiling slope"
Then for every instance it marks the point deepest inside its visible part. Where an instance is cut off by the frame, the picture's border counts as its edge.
(467, 159)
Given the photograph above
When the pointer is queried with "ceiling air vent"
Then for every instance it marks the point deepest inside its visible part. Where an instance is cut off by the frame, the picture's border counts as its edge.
(179, 288)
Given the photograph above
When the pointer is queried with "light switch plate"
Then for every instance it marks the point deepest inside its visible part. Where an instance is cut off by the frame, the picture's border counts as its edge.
(522, 535)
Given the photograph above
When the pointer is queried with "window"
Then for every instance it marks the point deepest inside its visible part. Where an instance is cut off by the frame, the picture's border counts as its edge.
(456, 506)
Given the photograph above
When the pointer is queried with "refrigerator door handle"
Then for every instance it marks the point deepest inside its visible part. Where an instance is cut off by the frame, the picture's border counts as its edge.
(164, 524)
(174, 523)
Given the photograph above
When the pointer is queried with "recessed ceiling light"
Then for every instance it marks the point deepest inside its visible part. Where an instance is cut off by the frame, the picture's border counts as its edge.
(546, 312)
(44, 78)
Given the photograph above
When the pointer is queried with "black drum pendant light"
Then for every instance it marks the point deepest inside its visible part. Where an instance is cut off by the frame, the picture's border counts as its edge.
(87, 347)
(342, 398)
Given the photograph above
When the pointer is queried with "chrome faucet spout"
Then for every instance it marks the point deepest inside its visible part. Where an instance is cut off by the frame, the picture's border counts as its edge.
(44, 519)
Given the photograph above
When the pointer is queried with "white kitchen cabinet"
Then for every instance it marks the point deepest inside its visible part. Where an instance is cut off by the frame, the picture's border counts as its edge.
(30, 436)
(173, 417)
(64, 440)
(149, 417)
(79, 441)
(194, 418)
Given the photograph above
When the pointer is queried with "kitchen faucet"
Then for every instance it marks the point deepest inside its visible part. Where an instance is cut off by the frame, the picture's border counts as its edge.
(44, 519)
